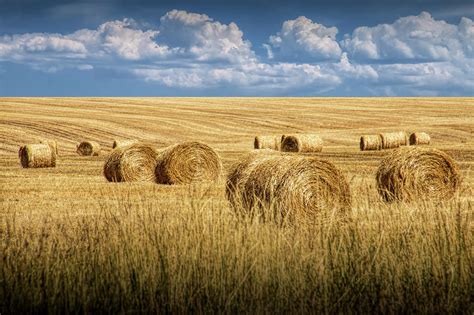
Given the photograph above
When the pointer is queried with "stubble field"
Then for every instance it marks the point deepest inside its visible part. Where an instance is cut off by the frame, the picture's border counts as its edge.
(72, 242)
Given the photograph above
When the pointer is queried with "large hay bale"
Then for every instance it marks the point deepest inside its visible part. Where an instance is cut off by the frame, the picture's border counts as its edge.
(301, 143)
(410, 174)
(37, 155)
(370, 142)
(52, 144)
(418, 138)
(286, 187)
(134, 163)
(188, 162)
(88, 148)
(391, 140)
(240, 171)
(267, 142)
(123, 143)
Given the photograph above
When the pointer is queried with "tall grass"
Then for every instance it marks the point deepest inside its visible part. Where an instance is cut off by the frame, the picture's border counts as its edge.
(117, 255)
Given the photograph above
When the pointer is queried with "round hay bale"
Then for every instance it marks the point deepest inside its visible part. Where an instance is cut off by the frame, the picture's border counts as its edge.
(188, 162)
(419, 138)
(240, 171)
(123, 143)
(301, 143)
(37, 155)
(410, 174)
(370, 142)
(52, 144)
(267, 142)
(285, 187)
(134, 163)
(391, 140)
(88, 148)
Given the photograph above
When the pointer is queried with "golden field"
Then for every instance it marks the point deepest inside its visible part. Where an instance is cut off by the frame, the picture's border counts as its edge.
(72, 242)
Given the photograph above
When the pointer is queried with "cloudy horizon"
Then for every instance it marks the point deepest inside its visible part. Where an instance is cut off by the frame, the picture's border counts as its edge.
(191, 53)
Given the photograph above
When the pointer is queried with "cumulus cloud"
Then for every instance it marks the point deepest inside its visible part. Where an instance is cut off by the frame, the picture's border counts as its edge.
(18, 46)
(431, 78)
(274, 78)
(354, 71)
(122, 39)
(114, 39)
(199, 37)
(413, 55)
(413, 38)
(303, 39)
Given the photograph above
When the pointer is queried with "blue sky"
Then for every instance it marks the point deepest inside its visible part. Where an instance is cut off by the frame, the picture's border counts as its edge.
(236, 48)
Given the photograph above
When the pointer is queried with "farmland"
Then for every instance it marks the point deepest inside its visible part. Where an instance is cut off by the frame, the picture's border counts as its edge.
(72, 242)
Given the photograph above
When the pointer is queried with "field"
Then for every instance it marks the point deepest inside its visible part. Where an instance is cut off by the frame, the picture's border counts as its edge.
(72, 242)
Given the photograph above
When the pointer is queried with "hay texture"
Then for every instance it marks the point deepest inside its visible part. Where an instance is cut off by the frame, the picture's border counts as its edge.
(88, 148)
(240, 172)
(370, 142)
(411, 174)
(301, 143)
(188, 162)
(134, 163)
(267, 142)
(52, 144)
(419, 138)
(37, 155)
(284, 187)
(123, 143)
(392, 140)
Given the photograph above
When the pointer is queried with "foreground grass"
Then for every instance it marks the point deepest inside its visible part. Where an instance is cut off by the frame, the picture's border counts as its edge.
(118, 254)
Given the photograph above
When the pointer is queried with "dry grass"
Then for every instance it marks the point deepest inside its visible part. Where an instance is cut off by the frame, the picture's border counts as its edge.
(417, 174)
(71, 242)
(37, 156)
(188, 162)
(132, 163)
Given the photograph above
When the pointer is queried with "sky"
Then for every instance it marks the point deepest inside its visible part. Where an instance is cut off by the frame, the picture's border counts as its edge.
(236, 48)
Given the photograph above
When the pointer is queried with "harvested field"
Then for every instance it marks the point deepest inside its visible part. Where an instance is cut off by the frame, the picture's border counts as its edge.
(73, 242)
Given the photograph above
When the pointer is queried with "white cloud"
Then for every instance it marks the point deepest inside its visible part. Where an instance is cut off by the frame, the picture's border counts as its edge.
(437, 77)
(302, 39)
(418, 38)
(414, 55)
(122, 39)
(354, 71)
(256, 76)
(112, 39)
(199, 37)
(20, 46)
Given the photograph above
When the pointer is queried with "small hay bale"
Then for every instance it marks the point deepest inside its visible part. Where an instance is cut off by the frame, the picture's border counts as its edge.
(286, 187)
(301, 143)
(267, 142)
(52, 144)
(88, 148)
(188, 162)
(419, 138)
(391, 140)
(410, 174)
(123, 143)
(134, 163)
(370, 142)
(37, 155)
